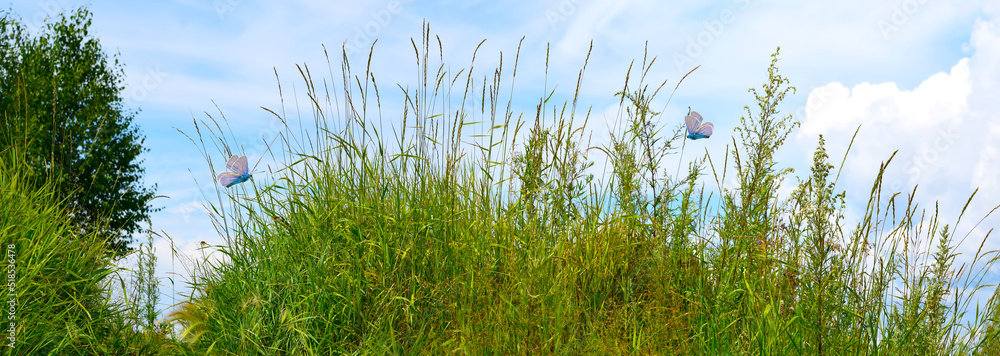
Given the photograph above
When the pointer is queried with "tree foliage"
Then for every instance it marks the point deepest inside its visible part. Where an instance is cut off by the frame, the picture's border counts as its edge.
(61, 98)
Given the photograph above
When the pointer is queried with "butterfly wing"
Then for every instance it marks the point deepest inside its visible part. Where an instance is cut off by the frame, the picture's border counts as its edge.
(229, 179)
(693, 121)
(239, 172)
(697, 117)
(231, 165)
(706, 130)
(240, 166)
(696, 129)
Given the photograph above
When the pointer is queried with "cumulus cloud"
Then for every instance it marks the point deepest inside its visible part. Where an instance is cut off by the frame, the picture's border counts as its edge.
(922, 123)
(986, 103)
(944, 132)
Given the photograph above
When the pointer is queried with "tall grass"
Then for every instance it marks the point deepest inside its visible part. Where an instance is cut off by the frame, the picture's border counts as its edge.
(501, 242)
(59, 282)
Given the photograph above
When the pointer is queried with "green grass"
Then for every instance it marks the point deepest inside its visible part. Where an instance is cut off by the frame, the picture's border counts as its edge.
(61, 280)
(475, 230)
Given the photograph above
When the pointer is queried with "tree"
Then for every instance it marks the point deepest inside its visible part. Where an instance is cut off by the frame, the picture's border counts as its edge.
(60, 98)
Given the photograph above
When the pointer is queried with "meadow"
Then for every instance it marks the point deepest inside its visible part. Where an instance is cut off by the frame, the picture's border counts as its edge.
(476, 229)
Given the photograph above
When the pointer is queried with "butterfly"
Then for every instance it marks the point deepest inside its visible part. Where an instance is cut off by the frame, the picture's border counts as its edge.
(696, 129)
(239, 172)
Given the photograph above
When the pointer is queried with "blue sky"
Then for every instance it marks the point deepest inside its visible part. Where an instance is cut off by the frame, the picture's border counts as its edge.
(921, 77)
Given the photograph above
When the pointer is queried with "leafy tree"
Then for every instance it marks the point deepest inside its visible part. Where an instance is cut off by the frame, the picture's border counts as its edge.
(60, 97)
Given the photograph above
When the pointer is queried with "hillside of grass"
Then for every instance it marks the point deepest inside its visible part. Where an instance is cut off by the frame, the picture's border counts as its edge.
(58, 281)
(475, 229)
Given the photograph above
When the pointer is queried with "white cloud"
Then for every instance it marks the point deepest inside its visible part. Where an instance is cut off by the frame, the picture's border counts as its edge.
(987, 170)
(944, 129)
(939, 101)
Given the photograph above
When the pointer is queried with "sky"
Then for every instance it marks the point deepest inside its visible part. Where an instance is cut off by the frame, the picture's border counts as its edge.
(921, 78)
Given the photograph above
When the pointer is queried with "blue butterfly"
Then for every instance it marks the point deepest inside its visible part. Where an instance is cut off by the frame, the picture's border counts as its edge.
(239, 172)
(696, 129)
